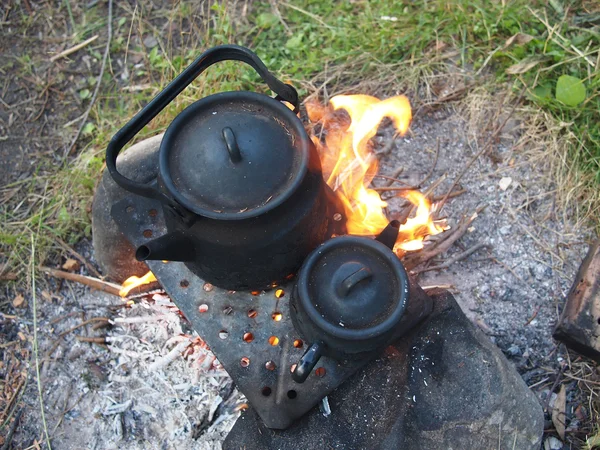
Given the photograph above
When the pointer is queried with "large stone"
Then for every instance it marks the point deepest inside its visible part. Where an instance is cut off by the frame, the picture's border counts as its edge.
(113, 252)
(445, 386)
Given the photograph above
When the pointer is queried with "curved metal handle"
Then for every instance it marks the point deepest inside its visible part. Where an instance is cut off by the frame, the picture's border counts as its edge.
(307, 363)
(353, 279)
(214, 55)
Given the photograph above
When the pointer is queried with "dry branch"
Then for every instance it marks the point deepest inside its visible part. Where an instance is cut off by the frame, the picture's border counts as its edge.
(94, 283)
(454, 259)
(73, 49)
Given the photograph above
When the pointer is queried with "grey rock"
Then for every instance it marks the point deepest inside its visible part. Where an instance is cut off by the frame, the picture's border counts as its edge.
(553, 443)
(150, 41)
(113, 252)
(445, 386)
(513, 350)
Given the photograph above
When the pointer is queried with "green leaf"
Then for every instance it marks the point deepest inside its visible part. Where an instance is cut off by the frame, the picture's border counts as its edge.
(295, 41)
(122, 21)
(266, 20)
(570, 90)
(84, 93)
(88, 129)
(541, 93)
(63, 215)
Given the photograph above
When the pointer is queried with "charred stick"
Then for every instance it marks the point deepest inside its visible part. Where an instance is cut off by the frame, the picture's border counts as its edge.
(454, 259)
(92, 340)
(394, 176)
(441, 246)
(95, 283)
(82, 324)
(391, 180)
(11, 432)
(394, 188)
(458, 193)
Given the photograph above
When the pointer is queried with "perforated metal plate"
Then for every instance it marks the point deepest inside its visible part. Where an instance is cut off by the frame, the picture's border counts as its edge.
(251, 334)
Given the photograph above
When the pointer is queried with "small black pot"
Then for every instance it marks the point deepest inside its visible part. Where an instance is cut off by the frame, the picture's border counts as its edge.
(352, 298)
(239, 179)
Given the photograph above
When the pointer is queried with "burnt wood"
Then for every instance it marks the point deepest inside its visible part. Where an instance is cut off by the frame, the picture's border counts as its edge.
(579, 323)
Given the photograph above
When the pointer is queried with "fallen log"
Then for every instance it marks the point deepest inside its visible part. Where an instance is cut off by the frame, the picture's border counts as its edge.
(579, 323)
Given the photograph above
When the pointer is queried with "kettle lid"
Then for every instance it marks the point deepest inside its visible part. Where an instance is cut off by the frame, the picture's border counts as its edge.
(353, 288)
(234, 155)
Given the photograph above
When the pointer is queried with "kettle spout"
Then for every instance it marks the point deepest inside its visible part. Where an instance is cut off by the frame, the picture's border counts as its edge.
(169, 247)
(389, 234)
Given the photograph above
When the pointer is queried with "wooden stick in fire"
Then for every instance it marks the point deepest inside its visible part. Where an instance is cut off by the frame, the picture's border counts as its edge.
(415, 259)
(94, 283)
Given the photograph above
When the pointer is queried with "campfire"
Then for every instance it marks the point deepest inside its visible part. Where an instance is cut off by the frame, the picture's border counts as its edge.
(253, 205)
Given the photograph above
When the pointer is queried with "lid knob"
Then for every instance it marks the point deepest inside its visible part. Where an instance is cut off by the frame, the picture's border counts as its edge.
(349, 275)
(232, 145)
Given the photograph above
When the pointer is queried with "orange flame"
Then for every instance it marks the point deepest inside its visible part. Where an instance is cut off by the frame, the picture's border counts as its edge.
(133, 282)
(349, 164)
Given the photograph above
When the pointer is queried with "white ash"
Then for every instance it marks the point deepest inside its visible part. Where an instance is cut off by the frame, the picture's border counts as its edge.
(156, 385)
(516, 299)
(163, 380)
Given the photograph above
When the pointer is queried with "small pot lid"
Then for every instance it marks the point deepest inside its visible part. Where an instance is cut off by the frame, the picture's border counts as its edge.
(353, 288)
(234, 155)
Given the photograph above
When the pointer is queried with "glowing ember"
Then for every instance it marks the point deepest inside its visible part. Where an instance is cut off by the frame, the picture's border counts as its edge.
(133, 282)
(349, 164)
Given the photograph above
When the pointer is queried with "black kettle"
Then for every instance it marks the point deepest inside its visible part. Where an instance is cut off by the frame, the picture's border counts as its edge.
(239, 180)
(352, 298)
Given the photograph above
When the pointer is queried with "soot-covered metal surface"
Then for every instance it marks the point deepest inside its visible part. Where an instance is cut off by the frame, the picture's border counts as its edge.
(251, 333)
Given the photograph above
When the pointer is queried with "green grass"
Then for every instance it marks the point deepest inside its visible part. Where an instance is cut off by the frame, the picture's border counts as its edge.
(347, 45)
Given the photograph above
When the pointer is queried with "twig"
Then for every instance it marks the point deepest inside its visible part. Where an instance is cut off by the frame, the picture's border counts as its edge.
(394, 188)
(454, 259)
(484, 149)
(394, 176)
(437, 198)
(73, 49)
(91, 340)
(534, 315)
(82, 324)
(12, 430)
(71, 146)
(435, 161)
(35, 344)
(81, 259)
(437, 286)
(415, 259)
(94, 283)
(391, 180)
(277, 14)
(408, 210)
(387, 148)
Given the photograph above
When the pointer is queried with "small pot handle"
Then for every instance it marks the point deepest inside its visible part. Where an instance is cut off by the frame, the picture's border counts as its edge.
(284, 92)
(308, 361)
